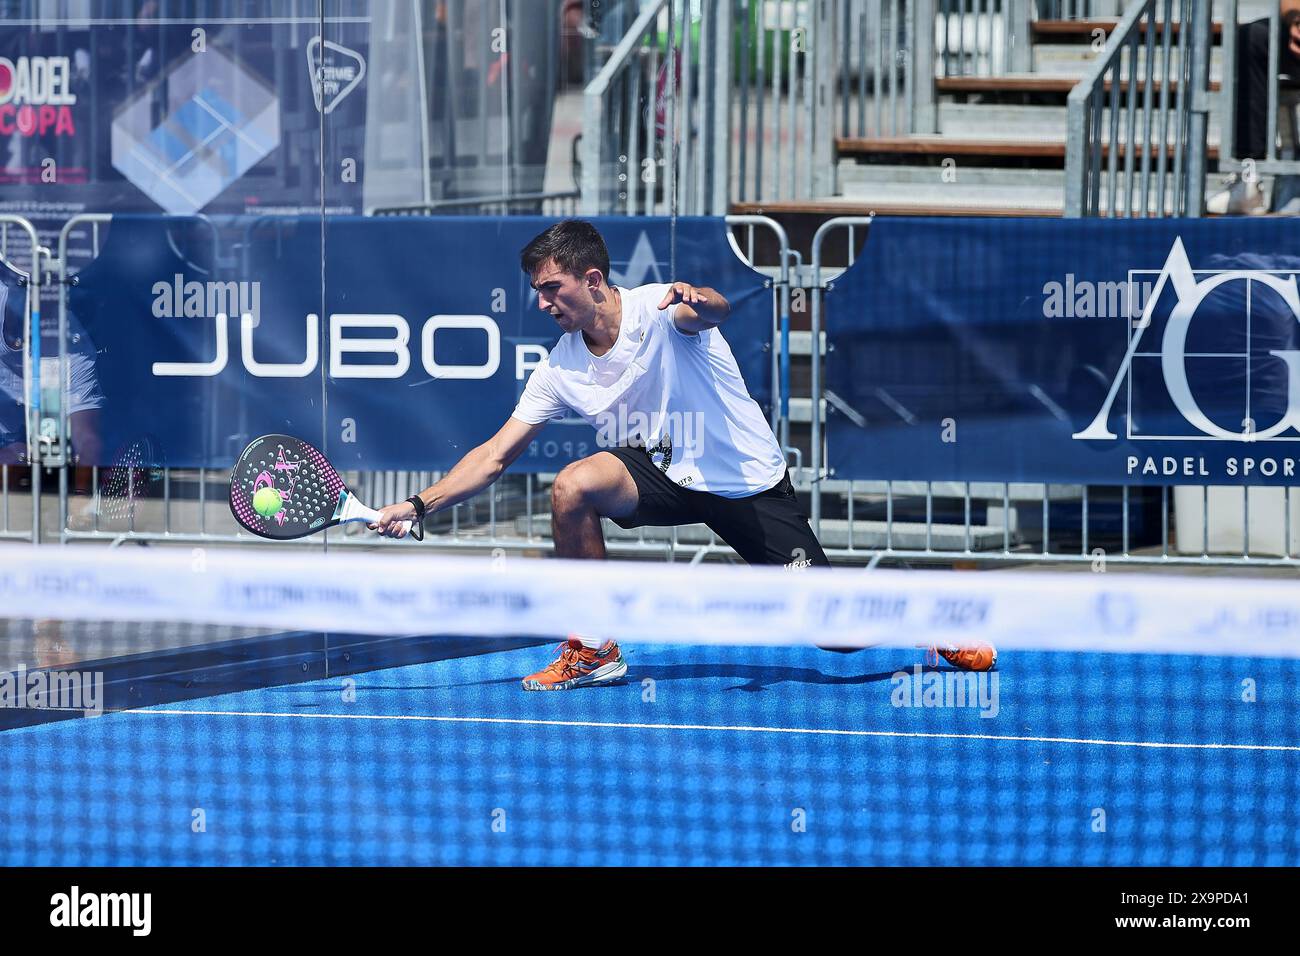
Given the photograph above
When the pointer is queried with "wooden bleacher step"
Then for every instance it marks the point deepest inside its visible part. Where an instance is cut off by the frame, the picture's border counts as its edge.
(1081, 31)
(1021, 84)
(947, 146)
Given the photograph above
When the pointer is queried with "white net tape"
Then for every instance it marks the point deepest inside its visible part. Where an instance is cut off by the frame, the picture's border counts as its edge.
(652, 602)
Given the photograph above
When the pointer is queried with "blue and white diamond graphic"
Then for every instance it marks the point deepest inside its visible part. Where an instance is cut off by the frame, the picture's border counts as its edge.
(220, 121)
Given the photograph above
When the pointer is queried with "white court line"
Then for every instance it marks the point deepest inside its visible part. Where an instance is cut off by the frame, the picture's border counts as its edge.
(829, 732)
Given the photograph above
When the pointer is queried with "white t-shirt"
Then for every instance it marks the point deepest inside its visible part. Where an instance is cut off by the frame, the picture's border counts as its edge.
(680, 396)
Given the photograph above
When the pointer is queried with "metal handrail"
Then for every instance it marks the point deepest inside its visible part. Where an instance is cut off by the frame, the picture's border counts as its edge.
(593, 100)
(1078, 172)
(1086, 106)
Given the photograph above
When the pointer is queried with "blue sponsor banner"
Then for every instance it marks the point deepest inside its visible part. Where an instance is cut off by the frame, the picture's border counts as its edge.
(407, 349)
(1078, 351)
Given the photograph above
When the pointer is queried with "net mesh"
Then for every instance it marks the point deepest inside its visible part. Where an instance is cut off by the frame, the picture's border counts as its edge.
(1156, 726)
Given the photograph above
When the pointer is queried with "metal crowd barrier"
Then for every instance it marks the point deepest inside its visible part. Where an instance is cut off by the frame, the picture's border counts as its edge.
(13, 503)
(859, 520)
(939, 522)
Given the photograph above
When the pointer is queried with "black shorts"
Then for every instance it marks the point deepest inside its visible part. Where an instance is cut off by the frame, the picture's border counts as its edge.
(763, 528)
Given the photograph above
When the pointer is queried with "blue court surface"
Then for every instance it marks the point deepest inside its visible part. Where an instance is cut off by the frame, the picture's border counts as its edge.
(705, 755)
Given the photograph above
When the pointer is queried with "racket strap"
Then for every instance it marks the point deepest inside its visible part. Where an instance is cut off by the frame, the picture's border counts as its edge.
(417, 523)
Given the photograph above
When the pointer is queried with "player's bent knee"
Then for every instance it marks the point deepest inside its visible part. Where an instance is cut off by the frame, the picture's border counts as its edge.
(592, 482)
(566, 491)
(575, 487)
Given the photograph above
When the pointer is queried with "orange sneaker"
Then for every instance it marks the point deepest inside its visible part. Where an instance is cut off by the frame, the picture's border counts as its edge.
(579, 666)
(974, 657)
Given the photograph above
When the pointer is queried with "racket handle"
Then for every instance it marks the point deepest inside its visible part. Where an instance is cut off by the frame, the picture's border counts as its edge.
(370, 515)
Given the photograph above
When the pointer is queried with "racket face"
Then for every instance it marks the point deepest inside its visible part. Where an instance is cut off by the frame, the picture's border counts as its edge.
(310, 489)
(135, 473)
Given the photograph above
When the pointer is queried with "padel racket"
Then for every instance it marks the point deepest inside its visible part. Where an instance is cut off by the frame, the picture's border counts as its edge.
(135, 474)
(312, 495)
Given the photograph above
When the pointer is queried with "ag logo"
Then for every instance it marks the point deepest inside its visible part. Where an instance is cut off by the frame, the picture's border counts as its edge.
(1261, 291)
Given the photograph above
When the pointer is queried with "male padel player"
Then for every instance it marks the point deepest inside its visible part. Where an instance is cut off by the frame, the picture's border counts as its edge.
(684, 442)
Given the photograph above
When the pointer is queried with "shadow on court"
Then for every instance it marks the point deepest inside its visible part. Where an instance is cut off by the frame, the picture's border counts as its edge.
(754, 678)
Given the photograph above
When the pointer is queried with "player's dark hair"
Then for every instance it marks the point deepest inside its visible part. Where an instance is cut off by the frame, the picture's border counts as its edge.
(574, 245)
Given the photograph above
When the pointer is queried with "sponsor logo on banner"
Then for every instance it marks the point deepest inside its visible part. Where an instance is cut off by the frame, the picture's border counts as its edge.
(350, 334)
(36, 97)
(372, 334)
(1261, 622)
(217, 120)
(335, 72)
(1191, 290)
(1116, 613)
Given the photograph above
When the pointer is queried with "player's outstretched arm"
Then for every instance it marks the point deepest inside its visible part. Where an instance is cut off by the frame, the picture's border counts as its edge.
(478, 469)
(698, 307)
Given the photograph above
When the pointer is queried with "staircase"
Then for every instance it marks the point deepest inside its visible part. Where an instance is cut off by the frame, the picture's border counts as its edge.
(1000, 144)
